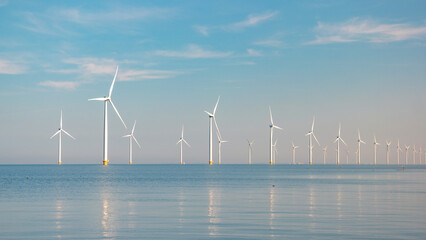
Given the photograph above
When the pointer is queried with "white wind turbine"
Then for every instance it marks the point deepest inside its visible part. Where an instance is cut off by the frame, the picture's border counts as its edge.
(387, 151)
(324, 149)
(220, 141)
(359, 147)
(406, 154)
(131, 137)
(414, 154)
(211, 117)
(338, 139)
(420, 156)
(347, 156)
(271, 126)
(275, 149)
(60, 131)
(181, 141)
(356, 156)
(311, 134)
(250, 149)
(375, 143)
(106, 100)
(398, 150)
(294, 152)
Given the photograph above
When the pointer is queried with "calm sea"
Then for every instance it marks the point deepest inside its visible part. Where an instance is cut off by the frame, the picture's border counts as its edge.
(212, 202)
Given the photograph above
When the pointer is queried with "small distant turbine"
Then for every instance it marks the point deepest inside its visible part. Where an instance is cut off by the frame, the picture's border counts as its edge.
(420, 156)
(356, 156)
(220, 141)
(250, 149)
(347, 156)
(131, 137)
(387, 151)
(398, 150)
(414, 154)
(60, 131)
(375, 143)
(211, 117)
(275, 149)
(271, 126)
(359, 147)
(311, 134)
(181, 141)
(338, 140)
(324, 149)
(294, 152)
(406, 154)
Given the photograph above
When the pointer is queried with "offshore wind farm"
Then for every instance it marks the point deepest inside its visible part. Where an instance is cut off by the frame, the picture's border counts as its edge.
(220, 119)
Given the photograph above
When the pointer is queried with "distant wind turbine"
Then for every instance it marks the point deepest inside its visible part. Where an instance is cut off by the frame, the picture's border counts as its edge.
(324, 153)
(211, 117)
(398, 150)
(347, 156)
(60, 131)
(181, 141)
(250, 149)
(420, 156)
(375, 143)
(414, 154)
(338, 140)
(294, 152)
(356, 156)
(359, 147)
(275, 149)
(132, 137)
(219, 137)
(311, 134)
(271, 126)
(106, 100)
(387, 151)
(406, 154)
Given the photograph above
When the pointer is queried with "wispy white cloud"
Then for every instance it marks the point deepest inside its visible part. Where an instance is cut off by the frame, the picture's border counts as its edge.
(3, 3)
(132, 75)
(252, 20)
(366, 30)
(9, 67)
(254, 53)
(91, 65)
(270, 43)
(202, 29)
(193, 51)
(67, 85)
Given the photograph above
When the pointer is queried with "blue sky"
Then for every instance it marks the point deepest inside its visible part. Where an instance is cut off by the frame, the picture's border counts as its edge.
(361, 63)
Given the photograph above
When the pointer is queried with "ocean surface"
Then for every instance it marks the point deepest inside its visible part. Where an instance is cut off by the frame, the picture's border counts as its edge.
(212, 202)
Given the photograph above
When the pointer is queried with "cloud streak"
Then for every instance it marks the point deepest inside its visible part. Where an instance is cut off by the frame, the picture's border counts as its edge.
(9, 67)
(67, 85)
(366, 30)
(193, 51)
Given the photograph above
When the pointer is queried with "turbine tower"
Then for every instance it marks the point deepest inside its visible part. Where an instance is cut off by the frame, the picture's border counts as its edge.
(398, 149)
(375, 143)
(420, 156)
(414, 154)
(211, 118)
(356, 156)
(106, 100)
(359, 147)
(324, 153)
(181, 141)
(60, 131)
(271, 126)
(338, 140)
(406, 154)
(250, 149)
(310, 134)
(387, 151)
(294, 152)
(131, 137)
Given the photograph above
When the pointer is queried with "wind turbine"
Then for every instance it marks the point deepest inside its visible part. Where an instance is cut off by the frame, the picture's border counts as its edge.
(375, 143)
(406, 154)
(338, 139)
(387, 151)
(271, 126)
(294, 152)
(324, 153)
(414, 154)
(310, 134)
(250, 149)
(275, 149)
(420, 156)
(347, 156)
(398, 149)
(359, 147)
(219, 137)
(356, 156)
(106, 100)
(60, 131)
(131, 138)
(181, 141)
(211, 117)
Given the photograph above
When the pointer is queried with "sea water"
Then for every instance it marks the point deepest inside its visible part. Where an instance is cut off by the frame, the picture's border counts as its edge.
(212, 202)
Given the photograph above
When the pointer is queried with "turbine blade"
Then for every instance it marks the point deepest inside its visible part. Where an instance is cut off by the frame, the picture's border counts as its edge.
(340, 126)
(112, 104)
(180, 140)
(217, 130)
(133, 129)
(136, 141)
(313, 123)
(182, 132)
(97, 99)
(316, 139)
(186, 142)
(270, 116)
(215, 107)
(362, 141)
(68, 134)
(359, 135)
(277, 127)
(127, 135)
(336, 140)
(211, 115)
(56, 133)
(343, 141)
(113, 81)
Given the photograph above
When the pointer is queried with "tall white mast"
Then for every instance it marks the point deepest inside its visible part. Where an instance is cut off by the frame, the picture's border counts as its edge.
(211, 118)
(60, 131)
(271, 126)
